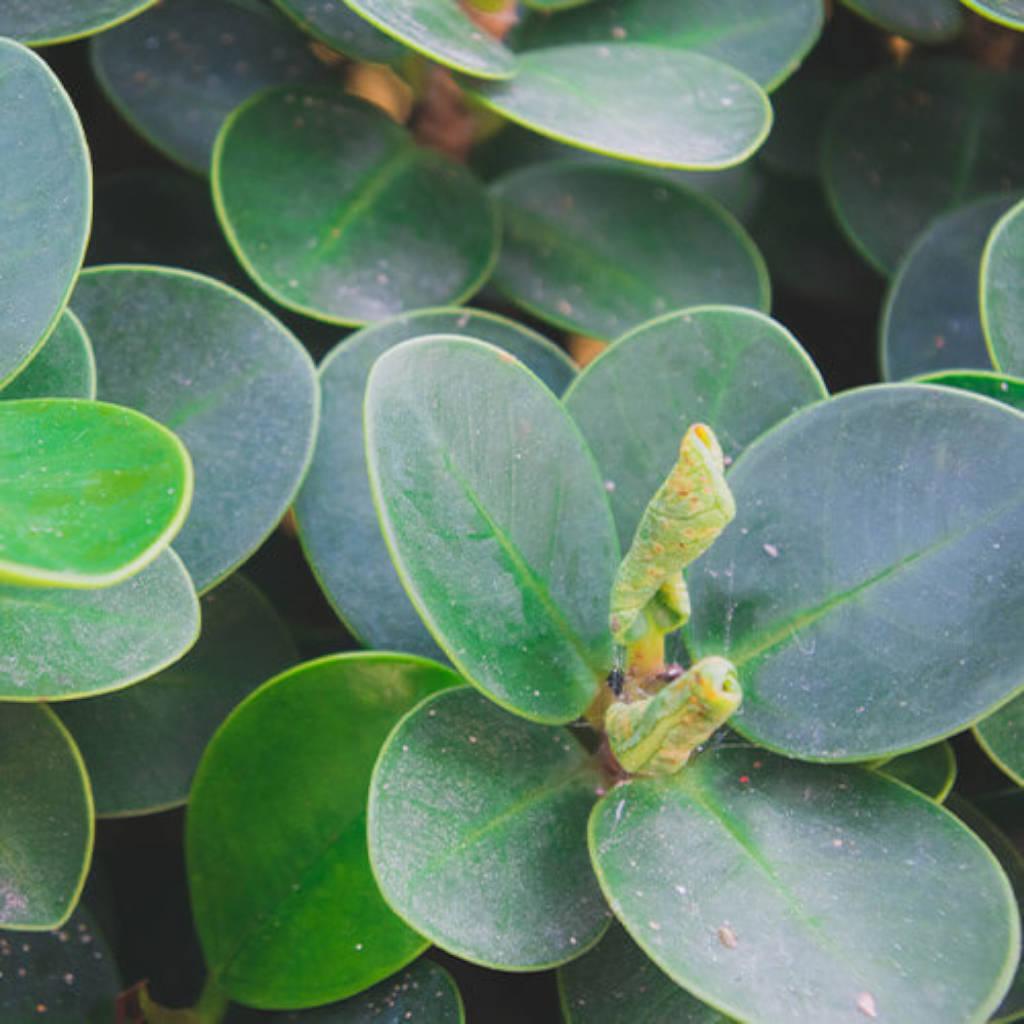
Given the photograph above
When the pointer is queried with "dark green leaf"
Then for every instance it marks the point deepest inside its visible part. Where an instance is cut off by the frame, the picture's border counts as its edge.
(599, 250)
(63, 368)
(477, 833)
(178, 71)
(337, 521)
(993, 385)
(766, 39)
(923, 21)
(336, 213)
(1002, 736)
(342, 29)
(1002, 295)
(735, 369)
(930, 770)
(801, 893)
(142, 745)
(497, 521)
(89, 492)
(286, 906)
(66, 644)
(651, 104)
(864, 580)
(931, 319)
(1006, 12)
(228, 378)
(906, 143)
(44, 156)
(41, 22)
(46, 828)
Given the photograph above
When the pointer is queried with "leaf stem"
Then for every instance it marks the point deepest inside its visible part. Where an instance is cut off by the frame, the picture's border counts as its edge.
(213, 1003)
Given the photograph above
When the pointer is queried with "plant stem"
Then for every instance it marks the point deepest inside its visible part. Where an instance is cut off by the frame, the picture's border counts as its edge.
(646, 657)
(213, 1003)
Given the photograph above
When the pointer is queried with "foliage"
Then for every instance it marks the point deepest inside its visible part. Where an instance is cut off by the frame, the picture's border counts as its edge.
(268, 365)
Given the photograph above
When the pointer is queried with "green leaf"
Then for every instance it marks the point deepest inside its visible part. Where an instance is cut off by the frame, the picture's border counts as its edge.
(1006, 12)
(737, 370)
(285, 904)
(930, 770)
(67, 644)
(616, 982)
(598, 250)
(870, 571)
(923, 21)
(477, 824)
(993, 385)
(90, 493)
(142, 745)
(1002, 297)
(241, 393)
(765, 39)
(442, 31)
(45, 156)
(931, 318)
(178, 71)
(46, 827)
(71, 972)
(1002, 737)
(907, 143)
(63, 368)
(334, 511)
(787, 892)
(650, 104)
(42, 22)
(335, 211)
(331, 22)
(497, 522)
(423, 993)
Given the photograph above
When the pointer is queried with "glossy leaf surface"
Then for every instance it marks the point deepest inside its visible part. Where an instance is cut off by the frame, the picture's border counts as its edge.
(46, 828)
(765, 39)
(442, 31)
(141, 745)
(497, 522)
(40, 22)
(1002, 296)
(736, 370)
(342, 29)
(336, 213)
(1002, 736)
(477, 833)
(66, 644)
(45, 179)
(239, 390)
(923, 21)
(930, 770)
(840, 566)
(649, 104)
(89, 493)
(178, 71)
(286, 907)
(905, 144)
(617, 981)
(63, 368)
(780, 891)
(931, 319)
(337, 522)
(599, 250)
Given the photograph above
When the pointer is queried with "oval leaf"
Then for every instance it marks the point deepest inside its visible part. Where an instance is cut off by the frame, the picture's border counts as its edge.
(1002, 295)
(1009, 390)
(1002, 736)
(142, 745)
(649, 104)
(931, 770)
(477, 824)
(45, 156)
(63, 368)
(1006, 12)
(497, 521)
(335, 211)
(598, 250)
(931, 318)
(831, 591)
(90, 493)
(923, 21)
(42, 22)
(907, 143)
(337, 522)
(734, 369)
(800, 893)
(342, 29)
(46, 828)
(277, 859)
(241, 392)
(178, 71)
(765, 39)
(66, 644)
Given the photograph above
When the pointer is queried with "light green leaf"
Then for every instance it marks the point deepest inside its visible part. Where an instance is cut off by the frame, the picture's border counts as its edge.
(42, 22)
(63, 368)
(342, 29)
(1005, 12)
(1002, 296)
(1002, 736)
(930, 770)
(1002, 388)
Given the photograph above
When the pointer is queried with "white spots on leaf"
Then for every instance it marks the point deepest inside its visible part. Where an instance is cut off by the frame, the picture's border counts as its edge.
(770, 550)
(866, 1005)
